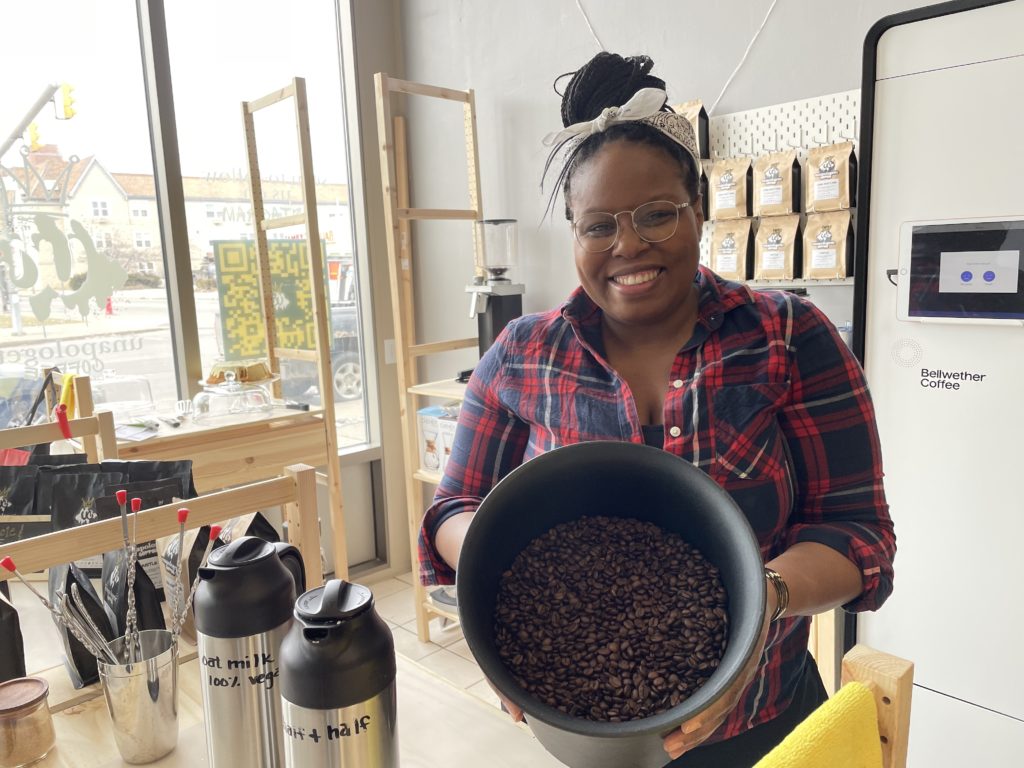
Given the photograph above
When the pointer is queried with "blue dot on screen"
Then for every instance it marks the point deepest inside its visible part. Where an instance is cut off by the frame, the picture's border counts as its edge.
(966, 276)
(989, 276)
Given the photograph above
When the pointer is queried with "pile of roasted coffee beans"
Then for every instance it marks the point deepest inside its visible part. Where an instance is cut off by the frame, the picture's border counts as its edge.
(611, 619)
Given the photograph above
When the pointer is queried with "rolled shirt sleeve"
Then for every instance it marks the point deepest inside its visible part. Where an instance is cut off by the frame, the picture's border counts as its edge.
(832, 437)
(489, 443)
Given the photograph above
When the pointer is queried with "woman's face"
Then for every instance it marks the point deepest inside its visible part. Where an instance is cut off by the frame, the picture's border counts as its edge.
(635, 282)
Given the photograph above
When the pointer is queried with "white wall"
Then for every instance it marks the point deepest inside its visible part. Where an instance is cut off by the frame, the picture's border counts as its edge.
(510, 52)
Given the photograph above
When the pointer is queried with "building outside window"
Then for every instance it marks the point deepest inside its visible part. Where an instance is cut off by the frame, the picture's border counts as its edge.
(73, 297)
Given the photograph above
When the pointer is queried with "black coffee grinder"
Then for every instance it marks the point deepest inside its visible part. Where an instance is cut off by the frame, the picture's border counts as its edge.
(494, 299)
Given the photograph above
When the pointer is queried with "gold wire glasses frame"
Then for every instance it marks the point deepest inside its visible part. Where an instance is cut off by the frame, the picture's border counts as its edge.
(653, 222)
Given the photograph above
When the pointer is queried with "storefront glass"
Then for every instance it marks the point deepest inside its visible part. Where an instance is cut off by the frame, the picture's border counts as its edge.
(244, 50)
(82, 283)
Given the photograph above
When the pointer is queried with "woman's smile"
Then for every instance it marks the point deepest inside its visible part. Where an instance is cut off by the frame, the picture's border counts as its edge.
(638, 281)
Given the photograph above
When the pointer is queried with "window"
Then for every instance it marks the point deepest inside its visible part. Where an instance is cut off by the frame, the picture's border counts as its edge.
(278, 46)
(139, 212)
(67, 279)
(142, 240)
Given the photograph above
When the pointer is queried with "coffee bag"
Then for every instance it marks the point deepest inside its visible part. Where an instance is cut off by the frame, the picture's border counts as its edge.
(69, 494)
(149, 614)
(831, 178)
(828, 246)
(732, 249)
(778, 248)
(694, 112)
(80, 664)
(777, 184)
(729, 183)
(18, 519)
(12, 660)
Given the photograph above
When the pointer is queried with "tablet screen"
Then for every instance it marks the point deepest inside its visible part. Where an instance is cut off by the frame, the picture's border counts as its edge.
(967, 270)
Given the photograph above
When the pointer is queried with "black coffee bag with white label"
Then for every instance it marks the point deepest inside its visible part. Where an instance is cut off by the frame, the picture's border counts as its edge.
(80, 663)
(12, 659)
(17, 505)
(70, 497)
(180, 471)
(149, 614)
(152, 493)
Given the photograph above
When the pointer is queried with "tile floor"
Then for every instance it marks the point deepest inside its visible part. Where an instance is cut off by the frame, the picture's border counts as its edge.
(446, 655)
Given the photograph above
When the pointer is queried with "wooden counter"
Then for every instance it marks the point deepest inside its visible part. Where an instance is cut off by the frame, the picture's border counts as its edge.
(438, 725)
(223, 454)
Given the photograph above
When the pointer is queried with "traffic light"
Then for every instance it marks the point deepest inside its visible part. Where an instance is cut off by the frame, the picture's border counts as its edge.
(67, 101)
(33, 137)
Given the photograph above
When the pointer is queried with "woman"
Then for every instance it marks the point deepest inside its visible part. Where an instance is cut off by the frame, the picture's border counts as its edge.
(756, 389)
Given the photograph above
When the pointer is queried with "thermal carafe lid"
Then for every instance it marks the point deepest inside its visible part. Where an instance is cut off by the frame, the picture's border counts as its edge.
(247, 587)
(339, 652)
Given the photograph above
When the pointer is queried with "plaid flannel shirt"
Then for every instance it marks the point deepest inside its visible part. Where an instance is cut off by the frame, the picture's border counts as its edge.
(765, 398)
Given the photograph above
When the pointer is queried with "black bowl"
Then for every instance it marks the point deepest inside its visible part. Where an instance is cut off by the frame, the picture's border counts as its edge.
(618, 480)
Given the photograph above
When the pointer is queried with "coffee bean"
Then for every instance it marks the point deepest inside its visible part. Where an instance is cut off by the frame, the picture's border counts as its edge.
(636, 614)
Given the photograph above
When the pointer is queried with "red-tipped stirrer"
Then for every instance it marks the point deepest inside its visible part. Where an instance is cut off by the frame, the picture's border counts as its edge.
(122, 501)
(131, 626)
(214, 533)
(177, 593)
(8, 565)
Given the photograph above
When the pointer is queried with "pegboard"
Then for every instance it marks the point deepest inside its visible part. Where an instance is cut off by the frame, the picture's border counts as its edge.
(798, 125)
(795, 125)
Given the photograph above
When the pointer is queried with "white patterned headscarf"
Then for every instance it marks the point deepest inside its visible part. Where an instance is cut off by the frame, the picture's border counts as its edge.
(644, 107)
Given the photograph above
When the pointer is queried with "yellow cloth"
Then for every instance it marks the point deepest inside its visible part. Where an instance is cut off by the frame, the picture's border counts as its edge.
(841, 733)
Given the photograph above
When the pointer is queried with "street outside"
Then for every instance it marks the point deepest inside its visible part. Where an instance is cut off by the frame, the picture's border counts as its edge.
(135, 341)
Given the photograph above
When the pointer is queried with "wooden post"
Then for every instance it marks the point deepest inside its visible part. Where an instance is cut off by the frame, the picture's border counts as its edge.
(304, 522)
(891, 681)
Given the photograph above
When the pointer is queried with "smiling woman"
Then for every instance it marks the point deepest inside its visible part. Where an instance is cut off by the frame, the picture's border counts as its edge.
(754, 388)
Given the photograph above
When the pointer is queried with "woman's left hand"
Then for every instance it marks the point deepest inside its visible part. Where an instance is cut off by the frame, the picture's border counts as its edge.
(695, 730)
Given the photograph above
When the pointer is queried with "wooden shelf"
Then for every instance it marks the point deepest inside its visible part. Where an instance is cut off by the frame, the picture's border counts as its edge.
(800, 283)
(427, 477)
(431, 607)
(448, 388)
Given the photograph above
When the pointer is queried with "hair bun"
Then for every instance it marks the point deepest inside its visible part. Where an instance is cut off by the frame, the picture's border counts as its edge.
(607, 80)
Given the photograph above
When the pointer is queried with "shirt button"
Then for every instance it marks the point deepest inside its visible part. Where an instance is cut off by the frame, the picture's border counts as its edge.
(675, 431)
(677, 383)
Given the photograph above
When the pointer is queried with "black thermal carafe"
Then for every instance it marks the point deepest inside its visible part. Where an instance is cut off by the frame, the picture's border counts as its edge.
(338, 682)
(243, 609)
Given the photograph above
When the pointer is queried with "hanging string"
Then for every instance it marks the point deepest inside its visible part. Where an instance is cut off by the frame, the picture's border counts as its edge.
(579, 4)
(745, 54)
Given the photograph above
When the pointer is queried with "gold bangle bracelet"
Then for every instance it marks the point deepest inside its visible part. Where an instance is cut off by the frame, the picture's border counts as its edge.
(781, 592)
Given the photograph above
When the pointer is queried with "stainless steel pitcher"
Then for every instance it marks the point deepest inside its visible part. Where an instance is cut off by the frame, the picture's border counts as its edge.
(243, 610)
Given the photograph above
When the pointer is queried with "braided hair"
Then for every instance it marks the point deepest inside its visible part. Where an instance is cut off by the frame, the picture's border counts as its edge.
(610, 80)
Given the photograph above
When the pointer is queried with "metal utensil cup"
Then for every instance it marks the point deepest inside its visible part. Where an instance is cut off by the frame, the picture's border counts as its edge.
(142, 697)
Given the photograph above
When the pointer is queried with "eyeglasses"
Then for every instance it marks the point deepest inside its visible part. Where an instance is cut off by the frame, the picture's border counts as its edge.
(653, 222)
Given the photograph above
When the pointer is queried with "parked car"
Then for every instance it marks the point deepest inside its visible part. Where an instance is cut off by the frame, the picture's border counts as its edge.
(298, 377)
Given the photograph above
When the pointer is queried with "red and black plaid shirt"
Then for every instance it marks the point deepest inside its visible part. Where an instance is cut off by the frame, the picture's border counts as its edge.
(765, 398)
